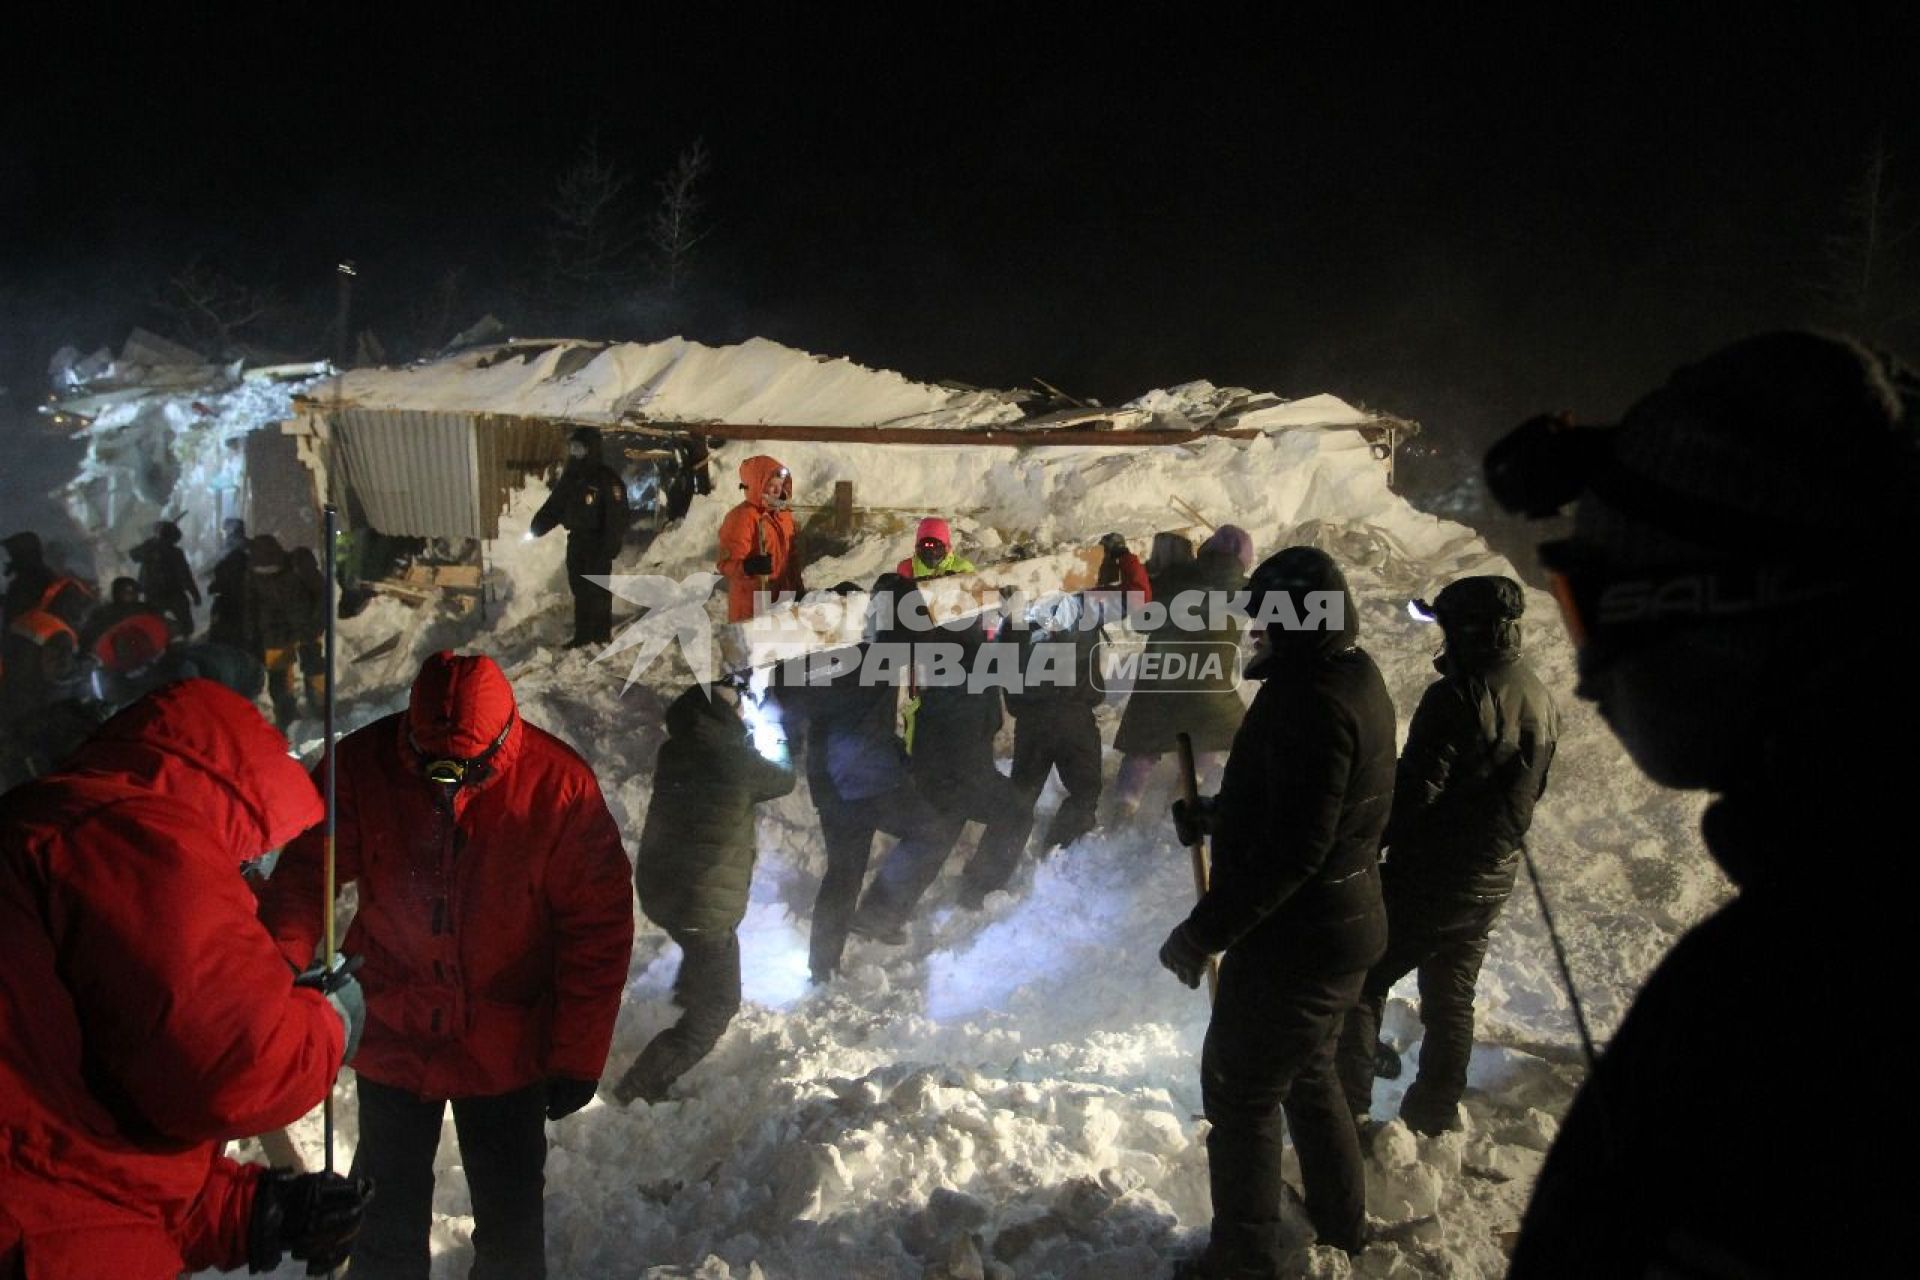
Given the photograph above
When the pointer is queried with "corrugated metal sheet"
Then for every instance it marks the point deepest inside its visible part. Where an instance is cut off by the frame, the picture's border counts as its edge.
(511, 450)
(413, 473)
(419, 473)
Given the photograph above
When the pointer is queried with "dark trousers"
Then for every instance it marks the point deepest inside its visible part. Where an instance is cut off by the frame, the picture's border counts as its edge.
(987, 797)
(179, 610)
(707, 989)
(592, 603)
(1269, 1053)
(1445, 939)
(1061, 736)
(503, 1146)
(848, 828)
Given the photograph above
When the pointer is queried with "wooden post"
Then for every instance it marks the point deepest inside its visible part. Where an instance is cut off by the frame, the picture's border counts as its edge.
(843, 507)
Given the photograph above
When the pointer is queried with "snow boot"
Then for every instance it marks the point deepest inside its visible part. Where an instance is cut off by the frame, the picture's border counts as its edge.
(887, 935)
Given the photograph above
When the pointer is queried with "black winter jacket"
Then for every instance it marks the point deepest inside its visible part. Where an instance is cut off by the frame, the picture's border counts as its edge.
(853, 752)
(1077, 650)
(954, 732)
(590, 502)
(1305, 797)
(164, 572)
(697, 848)
(1476, 761)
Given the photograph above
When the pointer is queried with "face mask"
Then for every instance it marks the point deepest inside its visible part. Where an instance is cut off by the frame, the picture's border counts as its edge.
(932, 551)
(779, 490)
(576, 451)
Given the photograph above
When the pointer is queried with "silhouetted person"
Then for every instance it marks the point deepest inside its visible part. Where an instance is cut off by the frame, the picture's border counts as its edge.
(1729, 590)
(165, 577)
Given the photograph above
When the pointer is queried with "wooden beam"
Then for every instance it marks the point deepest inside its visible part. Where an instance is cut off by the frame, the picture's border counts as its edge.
(970, 437)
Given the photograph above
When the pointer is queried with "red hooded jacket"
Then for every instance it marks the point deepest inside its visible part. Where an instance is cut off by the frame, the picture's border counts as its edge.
(497, 935)
(752, 527)
(145, 1016)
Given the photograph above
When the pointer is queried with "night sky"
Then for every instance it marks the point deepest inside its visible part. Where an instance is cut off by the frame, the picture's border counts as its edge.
(1458, 223)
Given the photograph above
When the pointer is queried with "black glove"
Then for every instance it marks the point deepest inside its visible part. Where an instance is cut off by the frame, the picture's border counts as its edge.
(758, 565)
(1193, 823)
(1183, 957)
(342, 991)
(566, 1096)
(313, 1216)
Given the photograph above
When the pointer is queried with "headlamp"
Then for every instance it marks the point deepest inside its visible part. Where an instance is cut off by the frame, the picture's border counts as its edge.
(1421, 611)
(453, 771)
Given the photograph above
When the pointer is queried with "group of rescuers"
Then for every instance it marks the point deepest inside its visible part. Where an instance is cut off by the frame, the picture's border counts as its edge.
(156, 1006)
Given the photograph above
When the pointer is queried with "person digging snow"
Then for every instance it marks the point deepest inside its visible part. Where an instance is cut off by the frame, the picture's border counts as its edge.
(1295, 906)
(759, 555)
(1743, 630)
(1475, 763)
(695, 865)
(589, 500)
(149, 1017)
(496, 917)
(1054, 729)
(858, 777)
(1195, 689)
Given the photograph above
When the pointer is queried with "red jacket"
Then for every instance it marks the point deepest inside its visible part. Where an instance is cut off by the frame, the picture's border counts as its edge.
(754, 527)
(145, 1016)
(1125, 572)
(496, 936)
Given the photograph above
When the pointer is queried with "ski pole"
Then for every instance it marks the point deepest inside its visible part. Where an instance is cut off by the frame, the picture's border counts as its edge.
(331, 525)
(1560, 957)
(1197, 851)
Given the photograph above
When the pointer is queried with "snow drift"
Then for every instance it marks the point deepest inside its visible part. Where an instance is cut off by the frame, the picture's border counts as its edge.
(1014, 1091)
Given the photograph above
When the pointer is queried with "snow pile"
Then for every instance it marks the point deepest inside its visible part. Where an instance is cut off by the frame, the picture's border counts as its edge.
(170, 455)
(673, 381)
(1014, 1092)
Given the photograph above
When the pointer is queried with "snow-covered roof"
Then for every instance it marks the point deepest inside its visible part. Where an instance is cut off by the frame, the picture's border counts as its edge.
(763, 383)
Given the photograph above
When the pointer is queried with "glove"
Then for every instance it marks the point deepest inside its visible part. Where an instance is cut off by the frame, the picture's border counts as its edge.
(342, 991)
(1183, 957)
(313, 1216)
(758, 565)
(1193, 823)
(566, 1096)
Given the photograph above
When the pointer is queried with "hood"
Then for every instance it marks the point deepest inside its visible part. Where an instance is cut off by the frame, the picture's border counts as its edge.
(1231, 539)
(1480, 617)
(1299, 572)
(754, 474)
(200, 742)
(459, 705)
(698, 712)
(590, 437)
(266, 555)
(24, 549)
(934, 527)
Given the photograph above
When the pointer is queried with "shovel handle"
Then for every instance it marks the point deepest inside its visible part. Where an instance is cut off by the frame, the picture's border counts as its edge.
(1197, 851)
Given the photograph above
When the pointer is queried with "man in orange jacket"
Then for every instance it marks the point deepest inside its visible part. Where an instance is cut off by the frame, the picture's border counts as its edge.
(757, 549)
(496, 918)
(148, 1016)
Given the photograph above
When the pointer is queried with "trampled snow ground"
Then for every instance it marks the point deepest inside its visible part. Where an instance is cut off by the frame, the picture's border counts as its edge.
(1014, 1092)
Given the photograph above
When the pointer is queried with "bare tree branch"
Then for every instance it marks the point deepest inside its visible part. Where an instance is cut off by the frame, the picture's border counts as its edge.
(676, 230)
